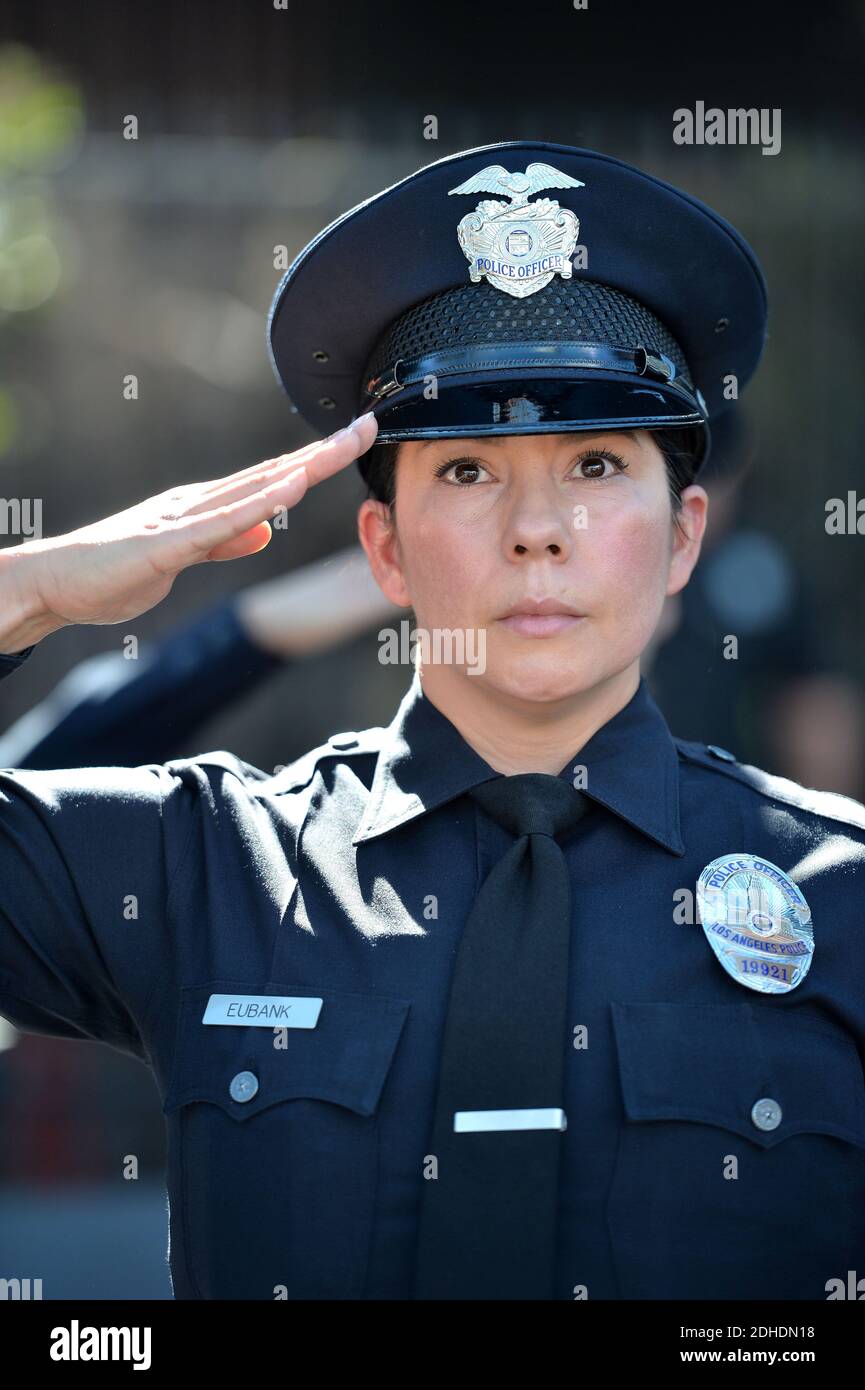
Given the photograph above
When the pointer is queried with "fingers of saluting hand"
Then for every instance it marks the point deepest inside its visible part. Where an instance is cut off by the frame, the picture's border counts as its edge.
(320, 460)
(245, 501)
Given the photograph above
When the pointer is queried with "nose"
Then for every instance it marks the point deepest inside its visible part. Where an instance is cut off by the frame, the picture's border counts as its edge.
(538, 522)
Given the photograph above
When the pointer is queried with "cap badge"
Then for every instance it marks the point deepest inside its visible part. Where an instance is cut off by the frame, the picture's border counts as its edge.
(757, 922)
(519, 246)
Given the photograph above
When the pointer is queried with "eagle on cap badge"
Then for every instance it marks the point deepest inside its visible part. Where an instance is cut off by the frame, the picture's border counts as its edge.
(517, 245)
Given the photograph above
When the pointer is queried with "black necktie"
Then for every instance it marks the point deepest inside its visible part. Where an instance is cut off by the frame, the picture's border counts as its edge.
(488, 1219)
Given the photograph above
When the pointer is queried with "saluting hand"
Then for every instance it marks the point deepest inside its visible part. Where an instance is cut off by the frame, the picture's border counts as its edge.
(117, 568)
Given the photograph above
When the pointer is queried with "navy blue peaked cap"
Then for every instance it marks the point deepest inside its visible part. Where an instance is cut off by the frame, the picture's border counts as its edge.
(520, 288)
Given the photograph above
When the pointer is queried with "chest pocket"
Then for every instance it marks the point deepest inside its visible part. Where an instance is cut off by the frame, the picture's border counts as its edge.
(714, 1195)
(273, 1144)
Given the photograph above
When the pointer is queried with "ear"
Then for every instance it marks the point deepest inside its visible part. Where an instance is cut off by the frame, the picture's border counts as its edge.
(687, 536)
(377, 534)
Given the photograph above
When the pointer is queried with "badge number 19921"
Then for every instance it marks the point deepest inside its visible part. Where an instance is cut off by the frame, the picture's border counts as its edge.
(757, 922)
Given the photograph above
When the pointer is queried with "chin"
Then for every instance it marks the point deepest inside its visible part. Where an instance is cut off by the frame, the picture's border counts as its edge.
(540, 677)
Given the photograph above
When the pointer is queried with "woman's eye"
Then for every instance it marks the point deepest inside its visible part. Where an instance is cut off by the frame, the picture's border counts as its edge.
(596, 465)
(464, 472)
(461, 472)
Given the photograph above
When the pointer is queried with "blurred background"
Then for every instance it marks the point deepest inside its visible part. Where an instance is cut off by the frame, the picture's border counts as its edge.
(156, 257)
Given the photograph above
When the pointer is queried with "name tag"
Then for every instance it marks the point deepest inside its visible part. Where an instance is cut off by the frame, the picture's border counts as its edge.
(263, 1010)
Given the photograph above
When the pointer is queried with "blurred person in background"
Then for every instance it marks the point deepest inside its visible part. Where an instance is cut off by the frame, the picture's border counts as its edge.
(741, 658)
(113, 710)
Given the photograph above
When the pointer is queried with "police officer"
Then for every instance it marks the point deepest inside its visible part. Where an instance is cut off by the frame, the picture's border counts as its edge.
(518, 997)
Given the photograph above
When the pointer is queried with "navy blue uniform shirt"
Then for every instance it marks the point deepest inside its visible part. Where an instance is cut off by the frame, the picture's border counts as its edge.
(295, 1156)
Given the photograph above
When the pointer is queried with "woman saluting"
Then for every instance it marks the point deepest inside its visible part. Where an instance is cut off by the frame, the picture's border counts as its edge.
(519, 996)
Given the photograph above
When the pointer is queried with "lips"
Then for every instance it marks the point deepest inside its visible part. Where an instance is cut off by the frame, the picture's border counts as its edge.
(541, 617)
(542, 607)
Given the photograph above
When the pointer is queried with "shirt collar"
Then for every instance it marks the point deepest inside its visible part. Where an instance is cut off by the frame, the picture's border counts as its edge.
(631, 763)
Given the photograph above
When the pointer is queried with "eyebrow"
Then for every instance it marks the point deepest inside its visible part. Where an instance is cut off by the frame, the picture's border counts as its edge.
(499, 438)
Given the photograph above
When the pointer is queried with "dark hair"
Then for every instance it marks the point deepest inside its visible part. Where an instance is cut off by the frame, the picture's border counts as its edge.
(681, 447)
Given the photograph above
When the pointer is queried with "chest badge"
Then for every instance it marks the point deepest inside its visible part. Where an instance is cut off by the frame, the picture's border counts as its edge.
(756, 921)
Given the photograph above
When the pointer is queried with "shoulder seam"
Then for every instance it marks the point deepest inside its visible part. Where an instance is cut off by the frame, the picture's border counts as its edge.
(827, 805)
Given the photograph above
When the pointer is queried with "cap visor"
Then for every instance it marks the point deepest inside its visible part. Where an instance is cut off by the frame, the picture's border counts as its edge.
(538, 405)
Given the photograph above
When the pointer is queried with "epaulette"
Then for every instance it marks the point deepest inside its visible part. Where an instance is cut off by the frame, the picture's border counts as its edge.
(340, 746)
(217, 757)
(831, 805)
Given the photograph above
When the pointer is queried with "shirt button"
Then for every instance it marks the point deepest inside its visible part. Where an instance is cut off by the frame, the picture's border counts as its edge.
(723, 753)
(243, 1087)
(766, 1114)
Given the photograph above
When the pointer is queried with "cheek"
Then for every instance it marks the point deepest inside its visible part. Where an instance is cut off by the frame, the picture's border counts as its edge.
(443, 567)
(627, 561)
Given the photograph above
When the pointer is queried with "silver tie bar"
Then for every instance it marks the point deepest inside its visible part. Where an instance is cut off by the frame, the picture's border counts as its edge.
(467, 1121)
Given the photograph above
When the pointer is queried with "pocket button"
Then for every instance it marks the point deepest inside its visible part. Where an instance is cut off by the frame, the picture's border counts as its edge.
(766, 1113)
(243, 1086)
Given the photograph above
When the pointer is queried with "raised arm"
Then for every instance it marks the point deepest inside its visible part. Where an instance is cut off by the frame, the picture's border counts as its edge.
(116, 569)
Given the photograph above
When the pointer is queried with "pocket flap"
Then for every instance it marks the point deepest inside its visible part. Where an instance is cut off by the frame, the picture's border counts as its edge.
(344, 1059)
(712, 1063)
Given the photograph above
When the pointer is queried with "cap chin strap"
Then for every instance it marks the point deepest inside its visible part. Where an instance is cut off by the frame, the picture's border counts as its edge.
(639, 361)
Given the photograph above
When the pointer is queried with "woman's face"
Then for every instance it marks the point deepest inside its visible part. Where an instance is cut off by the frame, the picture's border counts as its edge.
(582, 522)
